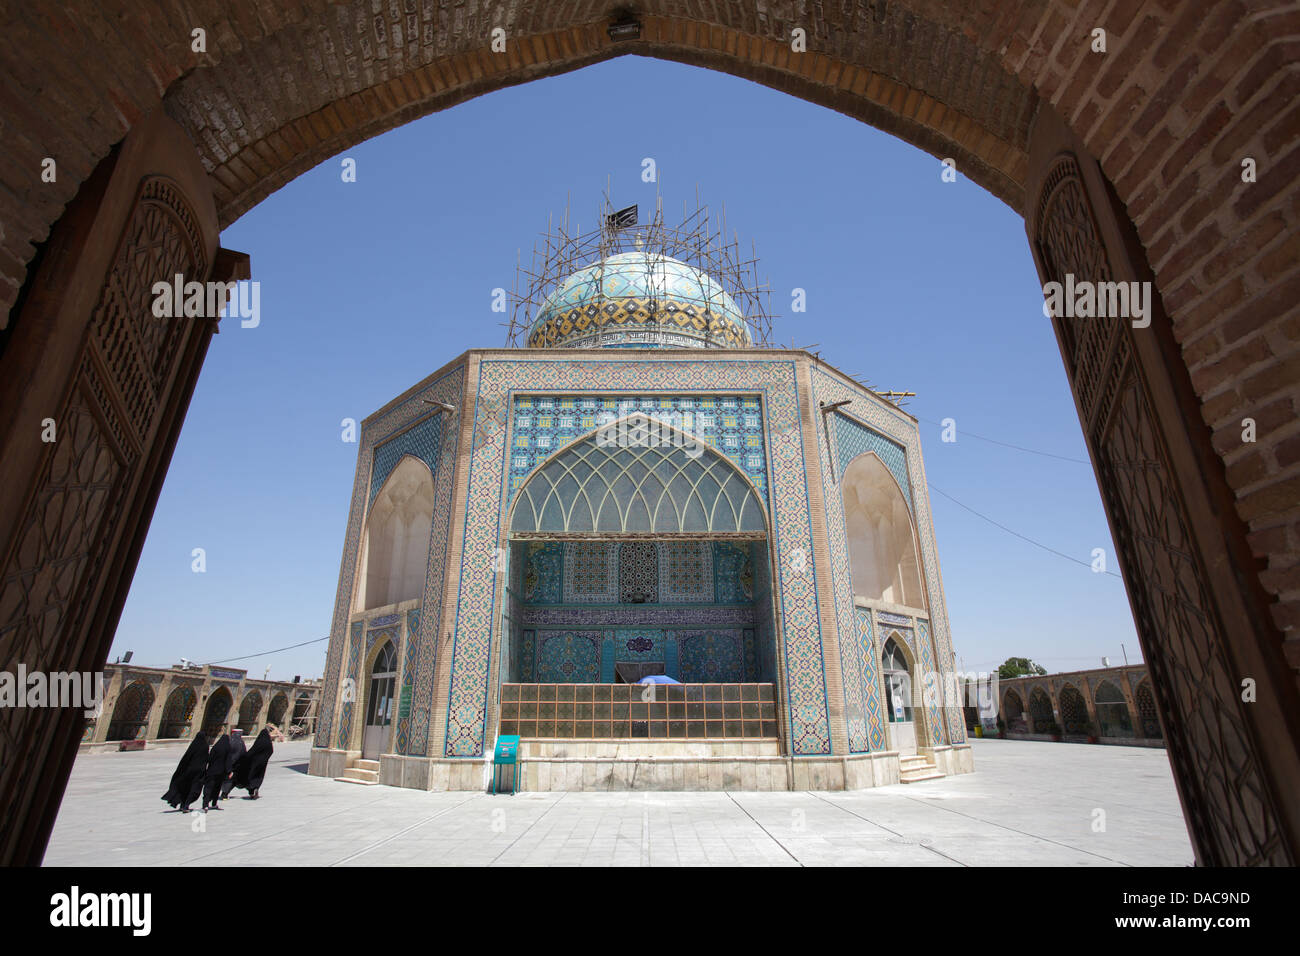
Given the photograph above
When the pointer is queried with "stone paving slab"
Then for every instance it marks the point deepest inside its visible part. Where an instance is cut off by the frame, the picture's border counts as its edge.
(1028, 803)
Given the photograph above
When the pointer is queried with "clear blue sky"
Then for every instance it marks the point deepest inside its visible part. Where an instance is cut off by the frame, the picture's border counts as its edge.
(367, 287)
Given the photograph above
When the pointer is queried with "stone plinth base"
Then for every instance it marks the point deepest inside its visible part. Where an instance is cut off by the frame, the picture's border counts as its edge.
(953, 759)
(569, 765)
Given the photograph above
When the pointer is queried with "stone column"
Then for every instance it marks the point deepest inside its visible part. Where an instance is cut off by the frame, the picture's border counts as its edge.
(160, 708)
(111, 693)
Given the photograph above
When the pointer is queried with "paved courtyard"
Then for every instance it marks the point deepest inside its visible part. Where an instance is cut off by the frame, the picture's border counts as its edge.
(1028, 803)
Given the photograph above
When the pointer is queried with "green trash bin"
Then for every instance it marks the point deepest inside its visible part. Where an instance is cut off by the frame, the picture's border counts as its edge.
(505, 765)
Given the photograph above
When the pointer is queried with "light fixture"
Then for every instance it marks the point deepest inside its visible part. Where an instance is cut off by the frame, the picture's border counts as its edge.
(441, 406)
(626, 27)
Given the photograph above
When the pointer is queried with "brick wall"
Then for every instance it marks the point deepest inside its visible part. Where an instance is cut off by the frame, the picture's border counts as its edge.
(1184, 93)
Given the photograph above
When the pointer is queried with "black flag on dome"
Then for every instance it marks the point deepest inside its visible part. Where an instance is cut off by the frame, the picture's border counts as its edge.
(623, 218)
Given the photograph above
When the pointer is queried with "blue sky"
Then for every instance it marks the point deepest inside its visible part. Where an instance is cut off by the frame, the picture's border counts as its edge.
(367, 287)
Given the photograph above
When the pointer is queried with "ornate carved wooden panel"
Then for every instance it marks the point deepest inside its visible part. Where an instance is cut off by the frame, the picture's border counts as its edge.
(1230, 806)
(84, 504)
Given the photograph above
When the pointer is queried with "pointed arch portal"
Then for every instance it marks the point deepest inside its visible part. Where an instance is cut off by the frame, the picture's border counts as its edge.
(638, 477)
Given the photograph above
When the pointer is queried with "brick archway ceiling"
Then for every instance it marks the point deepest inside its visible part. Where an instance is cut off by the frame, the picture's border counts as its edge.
(258, 128)
(1185, 91)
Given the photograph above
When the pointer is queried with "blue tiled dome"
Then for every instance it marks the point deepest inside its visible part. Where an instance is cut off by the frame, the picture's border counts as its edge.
(639, 300)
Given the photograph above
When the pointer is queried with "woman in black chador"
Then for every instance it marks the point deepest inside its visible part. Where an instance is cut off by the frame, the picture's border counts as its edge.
(237, 750)
(251, 767)
(187, 781)
(216, 772)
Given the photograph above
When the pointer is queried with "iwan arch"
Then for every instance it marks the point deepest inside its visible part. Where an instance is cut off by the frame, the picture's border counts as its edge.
(1127, 166)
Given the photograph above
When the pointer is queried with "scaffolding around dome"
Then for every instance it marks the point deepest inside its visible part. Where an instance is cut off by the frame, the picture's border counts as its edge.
(562, 297)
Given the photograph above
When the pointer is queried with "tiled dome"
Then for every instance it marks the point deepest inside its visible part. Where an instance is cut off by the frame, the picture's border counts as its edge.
(639, 300)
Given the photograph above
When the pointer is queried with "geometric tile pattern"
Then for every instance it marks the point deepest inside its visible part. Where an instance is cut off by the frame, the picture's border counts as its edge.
(860, 696)
(638, 289)
(898, 427)
(638, 572)
(591, 572)
(568, 657)
(734, 572)
(927, 667)
(543, 562)
(712, 657)
(349, 700)
(403, 732)
(647, 572)
(477, 615)
(686, 572)
(730, 424)
(872, 712)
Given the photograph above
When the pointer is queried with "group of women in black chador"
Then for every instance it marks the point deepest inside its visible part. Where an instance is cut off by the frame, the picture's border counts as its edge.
(213, 774)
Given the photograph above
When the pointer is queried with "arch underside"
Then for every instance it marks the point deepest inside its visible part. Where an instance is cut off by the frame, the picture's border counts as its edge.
(342, 89)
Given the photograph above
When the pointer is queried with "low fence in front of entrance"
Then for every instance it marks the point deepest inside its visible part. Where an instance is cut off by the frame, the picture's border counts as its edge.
(646, 711)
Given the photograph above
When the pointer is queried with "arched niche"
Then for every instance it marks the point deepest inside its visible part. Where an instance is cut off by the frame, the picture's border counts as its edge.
(395, 546)
(883, 557)
(131, 715)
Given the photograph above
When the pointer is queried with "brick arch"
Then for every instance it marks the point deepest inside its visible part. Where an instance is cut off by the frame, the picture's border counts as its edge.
(1168, 110)
(1183, 93)
(131, 713)
(276, 709)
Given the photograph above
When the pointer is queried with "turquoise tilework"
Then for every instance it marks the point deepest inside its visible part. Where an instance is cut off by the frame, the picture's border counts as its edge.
(543, 424)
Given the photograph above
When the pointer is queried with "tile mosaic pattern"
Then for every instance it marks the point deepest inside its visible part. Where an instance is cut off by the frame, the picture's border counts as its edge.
(900, 428)
(349, 699)
(686, 572)
(638, 615)
(528, 655)
(873, 709)
(490, 460)
(712, 657)
(638, 289)
(734, 572)
(569, 657)
(690, 655)
(543, 570)
(402, 737)
(448, 388)
(927, 664)
(861, 698)
(638, 572)
(657, 572)
(731, 424)
(591, 572)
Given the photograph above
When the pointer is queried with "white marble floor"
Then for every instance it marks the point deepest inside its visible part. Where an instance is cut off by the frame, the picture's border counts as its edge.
(1028, 803)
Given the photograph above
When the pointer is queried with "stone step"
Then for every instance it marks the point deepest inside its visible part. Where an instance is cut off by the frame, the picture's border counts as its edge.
(367, 765)
(916, 776)
(361, 783)
(359, 775)
(914, 760)
(643, 749)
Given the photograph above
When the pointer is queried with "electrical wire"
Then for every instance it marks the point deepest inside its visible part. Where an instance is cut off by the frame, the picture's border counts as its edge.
(1036, 544)
(245, 657)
